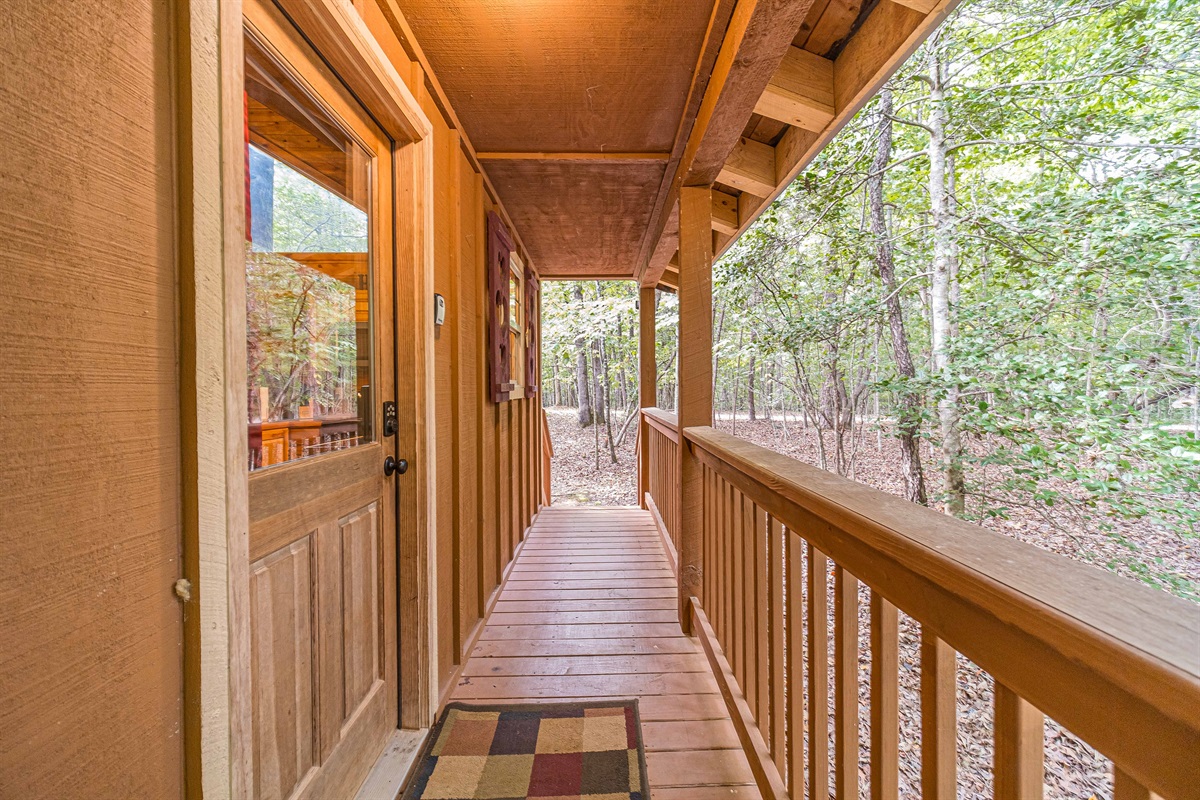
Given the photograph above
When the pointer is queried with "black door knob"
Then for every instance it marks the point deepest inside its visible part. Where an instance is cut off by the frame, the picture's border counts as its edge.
(391, 466)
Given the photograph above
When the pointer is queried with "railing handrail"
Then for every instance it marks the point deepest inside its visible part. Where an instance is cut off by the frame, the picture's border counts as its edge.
(665, 421)
(1115, 662)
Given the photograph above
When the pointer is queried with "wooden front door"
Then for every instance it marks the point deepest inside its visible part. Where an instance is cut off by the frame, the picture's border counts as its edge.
(320, 369)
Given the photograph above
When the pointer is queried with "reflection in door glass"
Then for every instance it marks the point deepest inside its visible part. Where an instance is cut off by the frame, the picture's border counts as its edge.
(308, 277)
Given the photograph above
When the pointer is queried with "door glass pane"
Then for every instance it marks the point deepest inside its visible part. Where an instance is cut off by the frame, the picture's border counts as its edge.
(308, 274)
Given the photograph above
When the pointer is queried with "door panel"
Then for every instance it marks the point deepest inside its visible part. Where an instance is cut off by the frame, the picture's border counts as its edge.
(282, 664)
(320, 365)
(360, 604)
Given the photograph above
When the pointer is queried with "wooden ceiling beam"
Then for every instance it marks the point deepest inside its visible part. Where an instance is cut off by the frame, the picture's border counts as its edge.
(922, 6)
(725, 212)
(887, 37)
(815, 96)
(748, 206)
(750, 168)
(801, 91)
(754, 43)
(574, 157)
(670, 279)
(758, 37)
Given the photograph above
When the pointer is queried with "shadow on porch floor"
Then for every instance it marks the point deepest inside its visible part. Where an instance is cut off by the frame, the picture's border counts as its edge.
(588, 612)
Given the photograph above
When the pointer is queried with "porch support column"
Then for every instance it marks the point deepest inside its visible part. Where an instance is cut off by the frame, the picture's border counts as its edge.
(647, 382)
(695, 381)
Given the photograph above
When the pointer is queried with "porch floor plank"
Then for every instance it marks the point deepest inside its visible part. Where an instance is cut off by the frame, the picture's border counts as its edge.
(588, 613)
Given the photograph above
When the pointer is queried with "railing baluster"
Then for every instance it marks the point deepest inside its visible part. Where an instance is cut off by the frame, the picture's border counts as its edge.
(775, 637)
(818, 674)
(709, 542)
(885, 700)
(1128, 788)
(718, 569)
(762, 641)
(737, 628)
(726, 612)
(939, 725)
(794, 672)
(1019, 754)
(845, 699)
(749, 605)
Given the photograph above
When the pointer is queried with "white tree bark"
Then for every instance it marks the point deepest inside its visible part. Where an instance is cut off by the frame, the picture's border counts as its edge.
(942, 291)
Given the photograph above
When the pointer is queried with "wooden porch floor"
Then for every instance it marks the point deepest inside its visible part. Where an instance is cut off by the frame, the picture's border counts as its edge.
(588, 612)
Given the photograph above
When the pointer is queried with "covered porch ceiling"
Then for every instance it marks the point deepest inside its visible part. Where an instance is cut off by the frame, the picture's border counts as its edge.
(588, 116)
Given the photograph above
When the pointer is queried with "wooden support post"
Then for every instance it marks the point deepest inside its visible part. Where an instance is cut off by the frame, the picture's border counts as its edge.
(695, 381)
(647, 384)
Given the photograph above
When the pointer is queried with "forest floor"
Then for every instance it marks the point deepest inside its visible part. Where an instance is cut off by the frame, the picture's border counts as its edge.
(1137, 549)
(575, 479)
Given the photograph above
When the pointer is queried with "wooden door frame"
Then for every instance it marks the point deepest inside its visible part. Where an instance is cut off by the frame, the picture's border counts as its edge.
(211, 218)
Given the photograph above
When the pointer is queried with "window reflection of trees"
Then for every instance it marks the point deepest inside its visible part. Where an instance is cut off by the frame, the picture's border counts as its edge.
(301, 337)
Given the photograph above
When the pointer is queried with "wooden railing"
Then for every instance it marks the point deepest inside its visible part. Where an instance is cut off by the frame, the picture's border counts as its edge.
(662, 479)
(547, 456)
(1115, 662)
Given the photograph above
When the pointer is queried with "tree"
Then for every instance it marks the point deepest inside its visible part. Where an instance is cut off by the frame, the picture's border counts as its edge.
(908, 412)
(582, 389)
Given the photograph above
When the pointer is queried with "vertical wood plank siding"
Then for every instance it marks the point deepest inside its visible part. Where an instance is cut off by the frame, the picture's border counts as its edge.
(90, 401)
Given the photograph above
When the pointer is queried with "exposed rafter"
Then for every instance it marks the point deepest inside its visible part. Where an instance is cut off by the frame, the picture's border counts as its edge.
(725, 212)
(801, 91)
(750, 168)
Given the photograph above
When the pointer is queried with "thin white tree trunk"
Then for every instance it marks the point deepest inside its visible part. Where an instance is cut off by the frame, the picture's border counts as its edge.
(945, 268)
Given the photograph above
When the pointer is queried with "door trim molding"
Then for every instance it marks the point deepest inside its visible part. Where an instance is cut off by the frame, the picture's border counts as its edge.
(211, 218)
(341, 36)
(417, 508)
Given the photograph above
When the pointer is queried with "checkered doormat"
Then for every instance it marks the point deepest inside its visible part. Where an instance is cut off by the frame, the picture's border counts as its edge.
(561, 751)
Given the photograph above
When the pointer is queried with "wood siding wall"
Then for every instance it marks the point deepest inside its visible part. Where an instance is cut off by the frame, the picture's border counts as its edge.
(488, 464)
(91, 633)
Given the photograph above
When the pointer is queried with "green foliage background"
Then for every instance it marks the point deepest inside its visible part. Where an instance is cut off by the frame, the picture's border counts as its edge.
(1074, 133)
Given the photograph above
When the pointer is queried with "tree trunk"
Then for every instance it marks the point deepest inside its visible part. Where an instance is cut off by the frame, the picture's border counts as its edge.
(599, 412)
(908, 422)
(599, 370)
(750, 385)
(612, 450)
(584, 416)
(945, 267)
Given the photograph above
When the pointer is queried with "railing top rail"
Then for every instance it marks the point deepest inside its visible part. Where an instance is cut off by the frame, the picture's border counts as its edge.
(1116, 662)
(665, 420)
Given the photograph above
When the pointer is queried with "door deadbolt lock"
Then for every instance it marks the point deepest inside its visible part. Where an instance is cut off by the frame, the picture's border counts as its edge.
(391, 419)
(391, 466)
